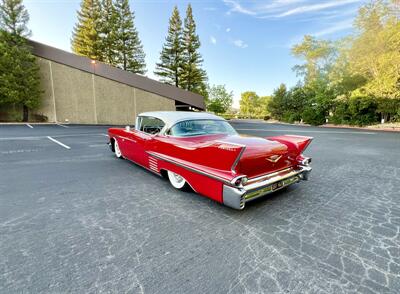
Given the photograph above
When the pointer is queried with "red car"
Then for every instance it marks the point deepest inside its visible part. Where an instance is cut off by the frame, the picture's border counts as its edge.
(204, 152)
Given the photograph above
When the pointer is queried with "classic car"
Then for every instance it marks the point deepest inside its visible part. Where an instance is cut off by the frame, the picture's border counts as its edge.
(203, 152)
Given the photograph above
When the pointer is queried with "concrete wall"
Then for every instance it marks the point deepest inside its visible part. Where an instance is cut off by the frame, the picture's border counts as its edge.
(76, 96)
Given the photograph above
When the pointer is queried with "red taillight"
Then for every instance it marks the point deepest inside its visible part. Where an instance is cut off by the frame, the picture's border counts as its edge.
(241, 181)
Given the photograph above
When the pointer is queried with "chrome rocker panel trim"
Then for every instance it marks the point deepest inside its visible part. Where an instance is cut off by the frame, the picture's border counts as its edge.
(236, 197)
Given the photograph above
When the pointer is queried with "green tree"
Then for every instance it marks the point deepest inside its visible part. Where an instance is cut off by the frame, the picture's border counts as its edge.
(86, 40)
(14, 18)
(249, 103)
(131, 56)
(375, 53)
(341, 78)
(313, 101)
(169, 69)
(318, 102)
(193, 76)
(262, 107)
(108, 29)
(350, 80)
(318, 56)
(277, 104)
(219, 99)
(19, 71)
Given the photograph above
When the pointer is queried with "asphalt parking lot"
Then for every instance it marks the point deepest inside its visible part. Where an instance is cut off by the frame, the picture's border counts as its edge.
(73, 218)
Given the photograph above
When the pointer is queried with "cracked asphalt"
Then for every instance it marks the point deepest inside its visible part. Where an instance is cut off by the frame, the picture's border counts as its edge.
(79, 220)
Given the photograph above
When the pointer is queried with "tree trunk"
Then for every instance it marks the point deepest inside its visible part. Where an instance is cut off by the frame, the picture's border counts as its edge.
(25, 116)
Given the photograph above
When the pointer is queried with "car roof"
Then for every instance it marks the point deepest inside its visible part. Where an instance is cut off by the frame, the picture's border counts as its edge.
(172, 117)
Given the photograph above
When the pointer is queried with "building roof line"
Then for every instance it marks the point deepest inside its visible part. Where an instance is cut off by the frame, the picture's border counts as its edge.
(110, 72)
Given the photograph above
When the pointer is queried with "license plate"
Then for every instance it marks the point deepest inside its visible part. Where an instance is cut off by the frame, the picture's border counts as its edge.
(277, 185)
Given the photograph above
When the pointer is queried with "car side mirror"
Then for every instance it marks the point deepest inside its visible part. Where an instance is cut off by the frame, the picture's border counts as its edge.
(128, 128)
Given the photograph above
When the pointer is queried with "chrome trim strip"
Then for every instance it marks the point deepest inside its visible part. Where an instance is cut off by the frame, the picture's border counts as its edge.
(235, 163)
(230, 143)
(252, 195)
(146, 168)
(260, 178)
(276, 178)
(189, 168)
(126, 138)
(309, 142)
(235, 197)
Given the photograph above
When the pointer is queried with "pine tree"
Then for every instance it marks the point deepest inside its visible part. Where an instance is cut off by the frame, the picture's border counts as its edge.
(86, 39)
(14, 17)
(170, 66)
(131, 56)
(108, 28)
(19, 71)
(193, 76)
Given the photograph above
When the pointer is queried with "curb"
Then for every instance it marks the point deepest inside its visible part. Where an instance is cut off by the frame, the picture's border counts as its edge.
(24, 123)
(386, 129)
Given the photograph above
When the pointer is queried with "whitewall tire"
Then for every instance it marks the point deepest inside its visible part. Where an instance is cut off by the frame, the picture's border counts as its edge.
(117, 151)
(177, 181)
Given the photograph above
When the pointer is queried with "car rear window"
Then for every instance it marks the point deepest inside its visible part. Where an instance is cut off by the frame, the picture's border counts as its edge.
(190, 128)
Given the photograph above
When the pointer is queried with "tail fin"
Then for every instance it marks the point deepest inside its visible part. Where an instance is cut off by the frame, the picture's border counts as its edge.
(295, 144)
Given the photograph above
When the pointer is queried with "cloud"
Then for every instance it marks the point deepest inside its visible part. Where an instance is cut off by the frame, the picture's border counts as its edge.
(228, 30)
(315, 7)
(213, 40)
(285, 8)
(337, 27)
(236, 7)
(239, 43)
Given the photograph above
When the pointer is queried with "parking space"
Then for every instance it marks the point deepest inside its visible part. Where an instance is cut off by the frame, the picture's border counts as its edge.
(77, 219)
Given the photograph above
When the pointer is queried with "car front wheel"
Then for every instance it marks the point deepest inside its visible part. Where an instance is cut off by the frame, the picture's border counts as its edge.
(117, 151)
(177, 181)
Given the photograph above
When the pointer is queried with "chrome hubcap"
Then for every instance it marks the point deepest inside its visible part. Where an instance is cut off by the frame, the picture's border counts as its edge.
(178, 178)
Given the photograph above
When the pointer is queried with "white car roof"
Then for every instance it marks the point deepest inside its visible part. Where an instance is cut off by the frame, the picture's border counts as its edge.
(172, 117)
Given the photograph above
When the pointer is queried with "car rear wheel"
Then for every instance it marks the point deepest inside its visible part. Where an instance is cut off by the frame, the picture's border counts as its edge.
(177, 181)
(117, 151)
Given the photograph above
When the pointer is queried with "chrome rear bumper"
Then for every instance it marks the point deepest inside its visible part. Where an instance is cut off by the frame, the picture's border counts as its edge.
(236, 197)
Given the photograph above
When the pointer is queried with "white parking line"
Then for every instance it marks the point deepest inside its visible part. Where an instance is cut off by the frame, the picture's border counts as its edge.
(28, 125)
(105, 135)
(58, 142)
(57, 136)
(62, 126)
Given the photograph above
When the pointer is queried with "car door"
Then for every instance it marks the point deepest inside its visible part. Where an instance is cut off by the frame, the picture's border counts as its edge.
(147, 128)
(139, 141)
(128, 144)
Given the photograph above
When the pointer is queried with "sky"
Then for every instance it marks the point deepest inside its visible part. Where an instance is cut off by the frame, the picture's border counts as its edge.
(245, 44)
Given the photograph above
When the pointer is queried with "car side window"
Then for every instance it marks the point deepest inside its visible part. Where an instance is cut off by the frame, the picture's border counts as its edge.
(151, 125)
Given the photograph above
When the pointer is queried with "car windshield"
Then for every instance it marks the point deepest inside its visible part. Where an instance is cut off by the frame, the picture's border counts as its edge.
(189, 128)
